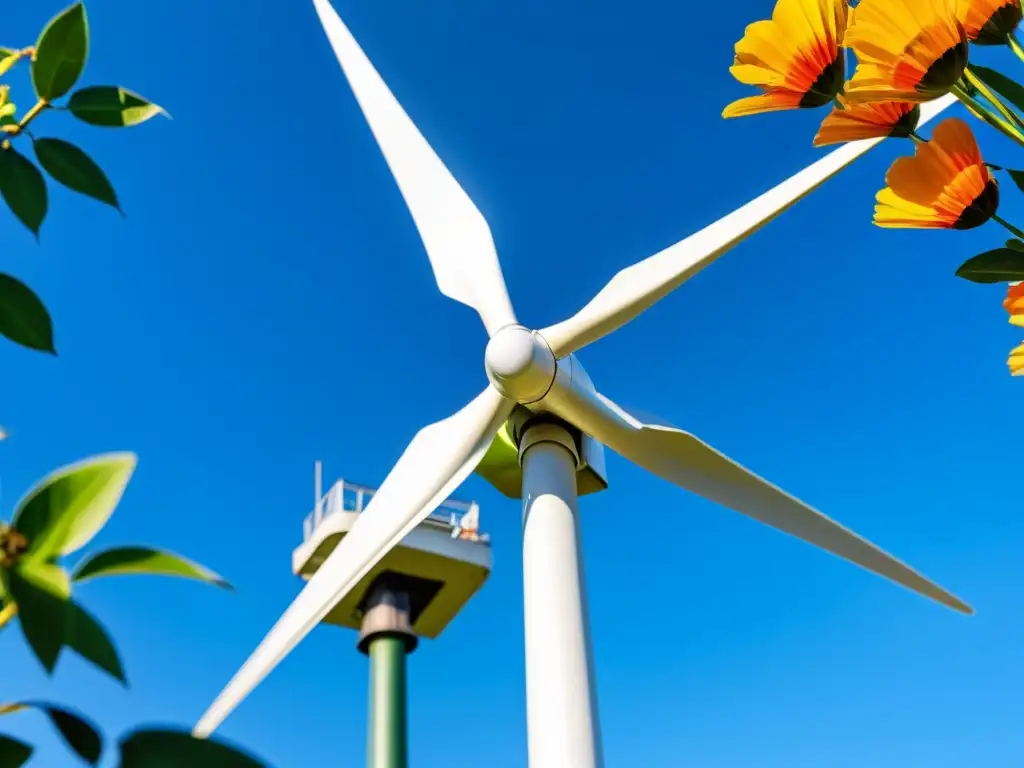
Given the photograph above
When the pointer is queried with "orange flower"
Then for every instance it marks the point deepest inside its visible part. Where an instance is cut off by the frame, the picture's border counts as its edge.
(872, 120)
(1014, 303)
(945, 185)
(990, 22)
(907, 50)
(1016, 361)
(796, 58)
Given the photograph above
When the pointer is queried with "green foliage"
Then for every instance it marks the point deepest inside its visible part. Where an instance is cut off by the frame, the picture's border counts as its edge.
(1009, 89)
(61, 514)
(13, 753)
(84, 635)
(111, 107)
(67, 508)
(78, 733)
(57, 62)
(8, 58)
(61, 53)
(70, 166)
(142, 561)
(172, 749)
(40, 592)
(23, 316)
(23, 189)
(1000, 265)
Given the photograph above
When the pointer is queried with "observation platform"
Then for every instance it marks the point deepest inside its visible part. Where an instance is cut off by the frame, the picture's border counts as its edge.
(444, 561)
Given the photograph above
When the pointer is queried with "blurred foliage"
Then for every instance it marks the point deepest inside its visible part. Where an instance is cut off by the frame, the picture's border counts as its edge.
(65, 511)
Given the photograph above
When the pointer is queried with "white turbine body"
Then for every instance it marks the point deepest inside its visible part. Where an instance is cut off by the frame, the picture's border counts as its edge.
(537, 369)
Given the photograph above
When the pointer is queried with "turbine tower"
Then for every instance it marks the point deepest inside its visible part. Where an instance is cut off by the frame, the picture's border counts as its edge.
(414, 591)
(540, 400)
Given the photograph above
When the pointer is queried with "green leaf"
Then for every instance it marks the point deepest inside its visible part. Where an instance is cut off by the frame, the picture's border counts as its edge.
(70, 166)
(173, 749)
(1001, 265)
(1015, 244)
(143, 561)
(86, 636)
(111, 107)
(78, 733)
(23, 317)
(1009, 89)
(13, 753)
(1017, 176)
(23, 189)
(41, 592)
(60, 53)
(68, 507)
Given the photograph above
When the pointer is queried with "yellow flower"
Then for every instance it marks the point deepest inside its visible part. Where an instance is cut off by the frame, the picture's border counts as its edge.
(990, 22)
(907, 50)
(1014, 303)
(1016, 361)
(796, 58)
(873, 120)
(945, 185)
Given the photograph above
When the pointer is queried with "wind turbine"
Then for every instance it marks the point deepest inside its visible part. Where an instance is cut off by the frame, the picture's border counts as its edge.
(536, 376)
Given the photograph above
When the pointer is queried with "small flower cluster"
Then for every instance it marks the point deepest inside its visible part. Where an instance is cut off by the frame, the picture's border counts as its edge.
(908, 52)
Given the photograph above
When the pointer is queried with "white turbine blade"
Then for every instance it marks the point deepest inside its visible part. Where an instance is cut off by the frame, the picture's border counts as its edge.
(640, 286)
(436, 462)
(455, 233)
(688, 462)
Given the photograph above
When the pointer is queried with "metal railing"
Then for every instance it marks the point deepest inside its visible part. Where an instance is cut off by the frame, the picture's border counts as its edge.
(349, 497)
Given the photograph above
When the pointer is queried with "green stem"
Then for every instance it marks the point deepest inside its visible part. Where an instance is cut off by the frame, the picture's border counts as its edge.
(1016, 232)
(982, 113)
(987, 92)
(37, 109)
(1015, 45)
(916, 138)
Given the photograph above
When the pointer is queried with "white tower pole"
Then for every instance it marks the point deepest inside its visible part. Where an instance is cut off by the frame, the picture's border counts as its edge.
(561, 711)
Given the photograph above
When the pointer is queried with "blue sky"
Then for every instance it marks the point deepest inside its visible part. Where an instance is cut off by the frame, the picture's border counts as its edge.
(267, 303)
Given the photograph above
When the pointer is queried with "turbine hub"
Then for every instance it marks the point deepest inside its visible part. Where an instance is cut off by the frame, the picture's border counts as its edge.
(520, 364)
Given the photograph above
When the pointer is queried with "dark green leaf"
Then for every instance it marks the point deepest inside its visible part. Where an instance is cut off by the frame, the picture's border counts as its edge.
(111, 107)
(1009, 89)
(1001, 265)
(60, 53)
(41, 592)
(68, 507)
(174, 749)
(87, 637)
(23, 189)
(13, 753)
(1015, 244)
(23, 317)
(143, 561)
(78, 733)
(1017, 176)
(74, 169)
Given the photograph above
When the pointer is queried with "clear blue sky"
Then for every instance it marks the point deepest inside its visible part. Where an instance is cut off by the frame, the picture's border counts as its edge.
(267, 302)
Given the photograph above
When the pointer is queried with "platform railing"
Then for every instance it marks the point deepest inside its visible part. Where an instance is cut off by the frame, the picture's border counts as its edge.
(349, 497)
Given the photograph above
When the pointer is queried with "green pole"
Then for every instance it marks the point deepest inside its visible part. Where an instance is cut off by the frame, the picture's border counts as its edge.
(387, 738)
(387, 638)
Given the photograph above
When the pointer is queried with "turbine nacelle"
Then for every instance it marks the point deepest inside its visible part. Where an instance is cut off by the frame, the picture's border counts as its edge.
(520, 364)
